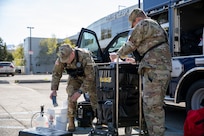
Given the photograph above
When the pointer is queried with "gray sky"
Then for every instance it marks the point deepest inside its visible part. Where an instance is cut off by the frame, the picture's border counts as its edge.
(61, 18)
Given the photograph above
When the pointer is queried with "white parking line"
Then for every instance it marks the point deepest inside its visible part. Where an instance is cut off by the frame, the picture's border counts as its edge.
(19, 113)
(12, 127)
(14, 119)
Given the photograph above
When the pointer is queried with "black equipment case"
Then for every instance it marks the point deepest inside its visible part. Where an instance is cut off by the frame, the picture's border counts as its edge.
(85, 114)
(118, 97)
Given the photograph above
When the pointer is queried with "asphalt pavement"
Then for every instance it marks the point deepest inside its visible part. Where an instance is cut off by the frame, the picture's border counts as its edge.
(5, 111)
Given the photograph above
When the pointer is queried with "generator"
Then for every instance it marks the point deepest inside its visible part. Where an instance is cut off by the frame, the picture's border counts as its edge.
(85, 114)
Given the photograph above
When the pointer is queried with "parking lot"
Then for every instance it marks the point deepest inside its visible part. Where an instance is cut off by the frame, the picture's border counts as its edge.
(22, 96)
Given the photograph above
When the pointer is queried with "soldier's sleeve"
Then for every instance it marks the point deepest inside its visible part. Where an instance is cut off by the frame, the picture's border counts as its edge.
(135, 39)
(56, 74)
(89, 73)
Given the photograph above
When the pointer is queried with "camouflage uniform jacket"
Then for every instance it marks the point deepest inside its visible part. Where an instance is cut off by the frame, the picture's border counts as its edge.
(146, 34)
(87, 63)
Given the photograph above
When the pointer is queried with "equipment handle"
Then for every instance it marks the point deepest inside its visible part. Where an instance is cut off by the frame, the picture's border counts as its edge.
(117, 90)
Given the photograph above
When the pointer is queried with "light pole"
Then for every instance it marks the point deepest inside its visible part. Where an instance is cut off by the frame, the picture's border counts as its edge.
(30, 51)
(139, 5)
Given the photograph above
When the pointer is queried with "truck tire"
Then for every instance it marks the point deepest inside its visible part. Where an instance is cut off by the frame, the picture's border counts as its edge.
(195, 96)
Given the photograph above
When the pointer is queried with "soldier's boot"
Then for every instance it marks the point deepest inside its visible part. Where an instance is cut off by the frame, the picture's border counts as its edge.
(71, 126)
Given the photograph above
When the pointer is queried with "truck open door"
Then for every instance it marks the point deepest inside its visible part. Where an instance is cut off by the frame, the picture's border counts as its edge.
(88, 40)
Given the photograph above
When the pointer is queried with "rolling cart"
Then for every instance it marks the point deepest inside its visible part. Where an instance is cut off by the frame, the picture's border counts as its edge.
(119, 101)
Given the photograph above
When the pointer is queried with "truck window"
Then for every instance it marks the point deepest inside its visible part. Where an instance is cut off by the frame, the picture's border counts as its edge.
(117, 44)
(89, 42)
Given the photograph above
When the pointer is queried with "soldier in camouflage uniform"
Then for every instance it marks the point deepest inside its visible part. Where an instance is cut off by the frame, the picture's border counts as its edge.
(79, 64)
(149, 39)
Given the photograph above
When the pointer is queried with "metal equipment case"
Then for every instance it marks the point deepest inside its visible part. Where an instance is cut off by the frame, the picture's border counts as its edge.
(117, 109)
(85, 114)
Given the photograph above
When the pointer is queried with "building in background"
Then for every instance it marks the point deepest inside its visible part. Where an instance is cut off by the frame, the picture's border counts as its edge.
(35, 63)
(106, 28)
(109, 26)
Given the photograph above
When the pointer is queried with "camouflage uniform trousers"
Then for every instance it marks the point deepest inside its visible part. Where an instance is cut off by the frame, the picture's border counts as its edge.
(155, 84)
(73, 85)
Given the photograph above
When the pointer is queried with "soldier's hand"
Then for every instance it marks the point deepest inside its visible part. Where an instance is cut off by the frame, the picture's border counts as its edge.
(75, 96)
(53, 93)
(130, 60)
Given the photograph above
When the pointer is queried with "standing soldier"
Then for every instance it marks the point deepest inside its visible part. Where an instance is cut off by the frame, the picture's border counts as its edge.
(79, 64)
(149, 40)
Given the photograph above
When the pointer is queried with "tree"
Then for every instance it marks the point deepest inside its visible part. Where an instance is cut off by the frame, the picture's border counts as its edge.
(48, 50)
(4, 54)
(9, 57)
(47, 53)
(18, 55)
(68, 41)
(2, 50)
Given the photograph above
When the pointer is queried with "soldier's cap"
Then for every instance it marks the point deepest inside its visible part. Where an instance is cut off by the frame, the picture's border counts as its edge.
(134, 14)
(64, 52)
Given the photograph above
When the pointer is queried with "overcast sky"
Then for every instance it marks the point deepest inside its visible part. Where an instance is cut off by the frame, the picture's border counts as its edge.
(61, 18)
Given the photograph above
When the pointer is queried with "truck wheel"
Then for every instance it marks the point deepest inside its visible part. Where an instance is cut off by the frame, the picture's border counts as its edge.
(195, 96)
